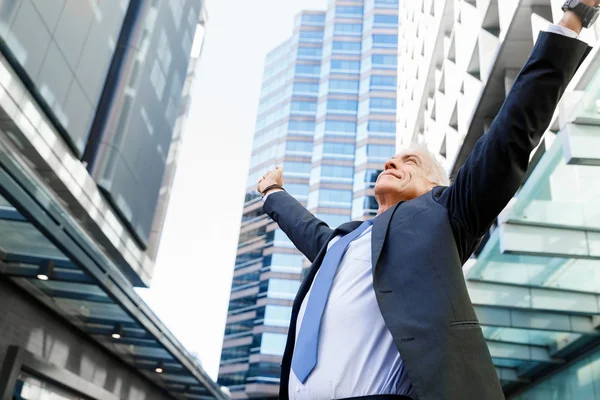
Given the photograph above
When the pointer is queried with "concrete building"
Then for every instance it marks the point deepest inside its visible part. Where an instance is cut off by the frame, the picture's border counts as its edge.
(327, 114)
(535, 284)
(90, 104)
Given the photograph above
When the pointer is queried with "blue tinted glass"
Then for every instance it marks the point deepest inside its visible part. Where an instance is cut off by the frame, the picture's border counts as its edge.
(337, 171)
(296, 145)
(386, 19)
(333, 220)
(386, 2)
(335, 196)
(296, 189)
(303, 87)
(308, 69)
(382, 80)
(346, 46)
(313, 18)
(385, 39)
(384, 60)
(345, 105)
(348, 28)
(273, 343)
(282, 288)
(352, 10)
(382, 126)
(277, 315)
(306, 126)
(343, 65)
(380, 151)
(311, 36)
(297, 167)
(286, 260)
(343, 85)
(338, 148)
(305, 106)
(382, 102)
(340, 126)
(309, 51)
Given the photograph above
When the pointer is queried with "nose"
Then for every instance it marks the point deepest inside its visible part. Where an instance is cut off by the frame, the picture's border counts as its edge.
(391, 164)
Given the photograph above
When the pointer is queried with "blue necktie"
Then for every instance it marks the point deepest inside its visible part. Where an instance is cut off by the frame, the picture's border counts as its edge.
(307, 343)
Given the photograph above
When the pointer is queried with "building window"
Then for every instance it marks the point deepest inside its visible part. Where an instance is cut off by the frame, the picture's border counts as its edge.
(301, 126)
(382, 103)
(302, 87)
(345, 66)
(384, 61)
(333, 220)
(295, 146)
(348, 11)
(337, 171)
(157, 78)
(380, 40)
(342, 105)
(343, 86)
(297, 167)
(297, 189)
(382, 126)
(282, 288)
(309, 52)
(304, 106)
(282, 262)
(273, 343)
(383, 82)
(348, 29)
(304, 69)
(311, 36)
(346, 47)
(385, 19)
(340, 126)
(310, 19)
(338, 148)
(277, 315)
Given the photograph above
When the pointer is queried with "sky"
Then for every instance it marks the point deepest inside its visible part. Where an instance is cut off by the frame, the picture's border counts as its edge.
(194, 266)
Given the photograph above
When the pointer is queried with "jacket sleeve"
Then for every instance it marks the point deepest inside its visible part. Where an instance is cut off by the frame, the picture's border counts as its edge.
(308, 233)
(496, 167)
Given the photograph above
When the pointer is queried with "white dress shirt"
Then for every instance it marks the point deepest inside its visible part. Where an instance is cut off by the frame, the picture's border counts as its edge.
(357, 355)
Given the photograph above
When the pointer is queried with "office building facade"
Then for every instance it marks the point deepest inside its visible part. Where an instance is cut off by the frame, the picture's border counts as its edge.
(90, 104)
(535, 282)
(327, 115)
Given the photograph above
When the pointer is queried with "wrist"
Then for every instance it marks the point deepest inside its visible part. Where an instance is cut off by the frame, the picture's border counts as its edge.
(270, 188)
(571, 21)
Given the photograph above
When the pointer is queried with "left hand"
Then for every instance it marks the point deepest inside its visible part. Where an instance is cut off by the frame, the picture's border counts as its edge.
(571, 20)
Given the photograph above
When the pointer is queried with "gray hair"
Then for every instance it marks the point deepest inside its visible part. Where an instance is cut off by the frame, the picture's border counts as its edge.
(434, 170)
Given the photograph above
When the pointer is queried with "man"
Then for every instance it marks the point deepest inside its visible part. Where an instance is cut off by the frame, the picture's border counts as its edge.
(384, 311)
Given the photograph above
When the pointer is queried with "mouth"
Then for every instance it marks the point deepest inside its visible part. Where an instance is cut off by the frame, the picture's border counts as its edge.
(391, 173)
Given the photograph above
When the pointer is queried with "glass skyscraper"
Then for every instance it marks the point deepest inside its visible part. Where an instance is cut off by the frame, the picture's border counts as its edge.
(327, 114)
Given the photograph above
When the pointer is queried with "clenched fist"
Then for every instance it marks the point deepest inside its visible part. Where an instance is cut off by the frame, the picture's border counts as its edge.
(273, 177)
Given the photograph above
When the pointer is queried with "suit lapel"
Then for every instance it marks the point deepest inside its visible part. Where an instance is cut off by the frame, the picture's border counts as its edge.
(379, 233)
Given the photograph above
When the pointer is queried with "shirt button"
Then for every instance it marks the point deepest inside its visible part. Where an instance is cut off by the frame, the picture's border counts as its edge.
(297, 388)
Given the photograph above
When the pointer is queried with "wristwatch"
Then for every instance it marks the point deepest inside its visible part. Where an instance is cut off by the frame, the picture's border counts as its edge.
(588, 15)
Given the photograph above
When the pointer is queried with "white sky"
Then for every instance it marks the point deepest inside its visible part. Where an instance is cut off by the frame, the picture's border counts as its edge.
(190, 289)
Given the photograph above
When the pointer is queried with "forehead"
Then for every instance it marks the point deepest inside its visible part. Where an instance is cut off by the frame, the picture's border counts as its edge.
(409, 152)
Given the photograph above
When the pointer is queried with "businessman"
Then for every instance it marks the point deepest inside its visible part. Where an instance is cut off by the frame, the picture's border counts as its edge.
(384, 311)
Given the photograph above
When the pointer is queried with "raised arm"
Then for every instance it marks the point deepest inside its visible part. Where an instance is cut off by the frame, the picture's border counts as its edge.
(496, 167)
(308, 233)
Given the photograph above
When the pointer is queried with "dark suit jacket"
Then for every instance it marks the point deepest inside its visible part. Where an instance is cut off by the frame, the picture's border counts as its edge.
(419, 246)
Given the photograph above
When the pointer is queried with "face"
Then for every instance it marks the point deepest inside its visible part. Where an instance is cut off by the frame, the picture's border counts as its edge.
(404, 178)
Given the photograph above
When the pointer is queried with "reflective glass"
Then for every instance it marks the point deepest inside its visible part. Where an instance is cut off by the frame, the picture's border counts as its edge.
(385, 19)
(277, 315)
(342, 105)
(282, 288)
(338, 148)
(298, 146)
(386, 3)
(297, 167)
(301, 126)
(309, 52)
(384, 61)
(308, 69)
(340, 126)
(303, 107)
(283, 262)
(348, 29)
(313, 18)
(297, 189)
(346, 47)
(311, 36)
(346, 11)
(336, 171)
(343, 86)
(273, 343)
(381, 40)
(383, 103)
(382, 126)
(384, 82)
(333, 220)
(345, 66)
(303, 87)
